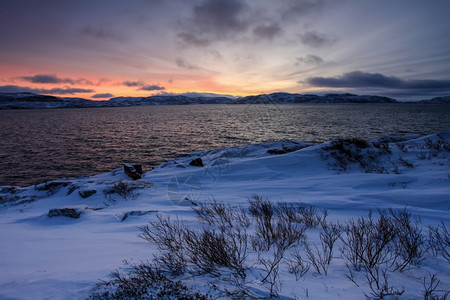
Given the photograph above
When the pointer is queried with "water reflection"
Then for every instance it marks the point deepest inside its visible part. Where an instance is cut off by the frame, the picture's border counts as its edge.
(39, 145)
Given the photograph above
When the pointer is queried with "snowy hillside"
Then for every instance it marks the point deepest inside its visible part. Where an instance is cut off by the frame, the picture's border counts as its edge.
(277, 219)
(437, 100)
(30, 100)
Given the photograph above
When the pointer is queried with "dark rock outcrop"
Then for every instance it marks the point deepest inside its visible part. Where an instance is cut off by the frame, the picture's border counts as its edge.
(134, 171)
(197, 162)
(86, 193)
(74, 213)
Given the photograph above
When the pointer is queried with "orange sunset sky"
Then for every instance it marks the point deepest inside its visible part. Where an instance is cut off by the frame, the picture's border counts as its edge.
(102, 49)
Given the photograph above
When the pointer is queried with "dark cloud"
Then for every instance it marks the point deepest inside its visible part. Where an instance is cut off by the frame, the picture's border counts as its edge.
(102, 96)
(65, 91)
(101, 33)
(358, 79)
(57, 91)
(214, 20)
(182, 63)
(310, 59)
(15, 89)
(193, 40)
(297, 9)
(143, 86)
(152, 87)
(133, 83)
(268, 32)
(47, 78)
(316, 39)
(53, 79)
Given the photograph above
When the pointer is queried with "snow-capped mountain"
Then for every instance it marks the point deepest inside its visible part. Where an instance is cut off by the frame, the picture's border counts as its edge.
(437, 100)
(30, 100)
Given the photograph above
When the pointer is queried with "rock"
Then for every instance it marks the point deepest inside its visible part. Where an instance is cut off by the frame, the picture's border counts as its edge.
(51, 187)
(134, 171)
(197, 162)
(284, 150)
(14, 200)
(72, 188)
(86, 193)
(138, 168)
(136, 213)
(73, 213)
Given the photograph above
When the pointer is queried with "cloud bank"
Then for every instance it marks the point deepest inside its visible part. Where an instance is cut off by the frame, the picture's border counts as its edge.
(57, 91)
(53, 79)
(152, 87)
(102, 96)
(359, 79)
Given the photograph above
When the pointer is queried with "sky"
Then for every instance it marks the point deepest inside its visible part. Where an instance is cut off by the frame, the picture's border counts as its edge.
(99, 49)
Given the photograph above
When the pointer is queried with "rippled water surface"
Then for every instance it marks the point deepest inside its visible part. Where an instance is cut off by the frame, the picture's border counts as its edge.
(40, 145)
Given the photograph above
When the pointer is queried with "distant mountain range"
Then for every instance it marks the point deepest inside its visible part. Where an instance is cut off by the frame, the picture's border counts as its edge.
(30, 100)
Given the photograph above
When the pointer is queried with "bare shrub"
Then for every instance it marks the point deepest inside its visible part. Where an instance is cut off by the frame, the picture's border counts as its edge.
(409, 243)
(379, 284)
(210, 250)
(143, 281)
(215, 213)
(271, 266)
(168, 235)
(204, 252)
(275, 225)
(368, 156)
(437, 145)
(328, 237)
(431, 292)
(219, 251)
(302, 213)
(393, 240)
(310, 215)
(121, 189)
(383, 145)
(317, 258)
(297, 265)
(346, 151)
(263, 211)
(439, 239)
(367, 242)
(320, 258)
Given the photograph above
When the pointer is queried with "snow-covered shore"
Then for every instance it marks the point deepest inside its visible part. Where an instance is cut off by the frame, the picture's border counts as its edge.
(58, 257)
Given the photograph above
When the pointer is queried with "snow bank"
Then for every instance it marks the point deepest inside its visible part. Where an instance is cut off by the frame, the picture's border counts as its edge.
(61, 257)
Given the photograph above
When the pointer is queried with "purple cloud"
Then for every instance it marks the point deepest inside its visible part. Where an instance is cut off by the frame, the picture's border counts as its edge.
(268, 32)
(358, 79)
(46, 78)
(53, 79)
(152, 87)
(310, 59)
(58, 91)
(102, 96)
(214, 20)
(133, 83)
(182, 63)
(316, 39)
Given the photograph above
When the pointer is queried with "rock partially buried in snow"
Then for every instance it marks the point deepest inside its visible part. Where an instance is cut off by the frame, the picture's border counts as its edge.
(51, 187)
(86, 193)
(74, 213)
(136, 213)
(197, 162)
(134, 171)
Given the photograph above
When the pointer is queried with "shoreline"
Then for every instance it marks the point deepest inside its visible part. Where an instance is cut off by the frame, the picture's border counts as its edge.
(59, 238)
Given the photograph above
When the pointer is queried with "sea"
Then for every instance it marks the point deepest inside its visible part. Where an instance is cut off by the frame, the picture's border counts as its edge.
(38, 145)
